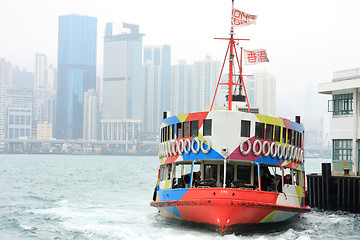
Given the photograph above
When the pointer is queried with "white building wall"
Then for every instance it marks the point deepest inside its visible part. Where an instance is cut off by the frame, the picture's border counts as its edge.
(40, 70)
(265, 92)
(2, 107)
(91, 115)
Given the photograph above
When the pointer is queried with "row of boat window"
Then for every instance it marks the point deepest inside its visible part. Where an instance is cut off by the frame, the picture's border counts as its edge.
(267, 131)
(185, 129)
(272, 132)
(237, 176)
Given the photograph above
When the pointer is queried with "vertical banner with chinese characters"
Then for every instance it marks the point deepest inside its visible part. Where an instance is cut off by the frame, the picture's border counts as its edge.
(255, 56)
(241, 19)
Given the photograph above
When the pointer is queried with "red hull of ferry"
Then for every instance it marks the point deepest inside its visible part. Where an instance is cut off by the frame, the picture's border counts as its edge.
(227, 210)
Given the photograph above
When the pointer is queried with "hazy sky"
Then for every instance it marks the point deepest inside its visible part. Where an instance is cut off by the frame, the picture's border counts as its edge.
(306, 40)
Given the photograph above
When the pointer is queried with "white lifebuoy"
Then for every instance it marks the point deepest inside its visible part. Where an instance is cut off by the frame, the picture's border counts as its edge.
(296, 154)
(247, 141)
(280, 151)
(180, 149)
(287, 151)
(273, 150)
(162, 150)
(168, 148)
(268, 148)
(195, 151)
(173, 148)
(291, 152)
(257, 142)
(159, 150)
(207, 140)
(301, 158)
(187, 144)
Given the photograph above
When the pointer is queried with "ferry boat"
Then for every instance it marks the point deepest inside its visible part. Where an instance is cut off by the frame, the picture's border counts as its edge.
(233, 168)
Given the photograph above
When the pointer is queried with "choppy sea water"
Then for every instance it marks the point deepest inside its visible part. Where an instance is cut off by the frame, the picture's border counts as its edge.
(107, 197)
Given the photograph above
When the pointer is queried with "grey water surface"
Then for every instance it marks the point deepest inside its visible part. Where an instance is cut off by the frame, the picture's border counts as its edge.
(107, 197)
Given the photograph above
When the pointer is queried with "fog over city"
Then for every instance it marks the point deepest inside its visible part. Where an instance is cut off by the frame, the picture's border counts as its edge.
(306, 40)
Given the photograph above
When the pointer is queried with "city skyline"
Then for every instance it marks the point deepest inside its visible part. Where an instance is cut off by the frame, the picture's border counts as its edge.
(304, 42)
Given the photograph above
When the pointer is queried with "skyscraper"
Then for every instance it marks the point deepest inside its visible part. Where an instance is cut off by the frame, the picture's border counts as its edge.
(76, 72)
(156, 74)
(40, 70)
(193, 86)
(91, 115)
(123, 90)
(2, 108)
(6, 71)
(263, 88)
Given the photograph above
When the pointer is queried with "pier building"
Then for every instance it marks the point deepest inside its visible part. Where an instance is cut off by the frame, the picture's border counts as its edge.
(344, 90)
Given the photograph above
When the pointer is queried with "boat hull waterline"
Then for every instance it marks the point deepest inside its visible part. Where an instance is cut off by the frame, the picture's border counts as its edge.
(228, 210)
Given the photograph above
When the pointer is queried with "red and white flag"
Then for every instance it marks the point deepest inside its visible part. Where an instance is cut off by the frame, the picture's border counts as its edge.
(255, 56)
(241, 19)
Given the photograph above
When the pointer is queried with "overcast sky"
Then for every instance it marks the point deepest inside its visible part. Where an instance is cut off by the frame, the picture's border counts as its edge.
(306, 40)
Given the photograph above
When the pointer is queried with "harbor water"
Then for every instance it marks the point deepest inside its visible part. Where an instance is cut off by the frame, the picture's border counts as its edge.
(107, 197)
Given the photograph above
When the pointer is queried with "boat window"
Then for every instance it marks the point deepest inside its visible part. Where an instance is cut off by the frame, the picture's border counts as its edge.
(244, 174)
(161, 172)
(194, 127)
(284, 130)
(207, 127)
(196, 173)
(288, 179)
(186, 129)
(167, 173)
(296, 139)
(293, 138)
(259, 130)
(289, 136)
(245, 128)
(178, 132)
(210, 171)
(297, 177)
(300, 140)
(229, 174)
(269, 132)
(277, 133)
(161, 134)
(173, 131)
(182, 175)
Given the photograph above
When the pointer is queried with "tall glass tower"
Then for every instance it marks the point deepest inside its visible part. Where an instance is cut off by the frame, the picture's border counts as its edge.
(76, 72)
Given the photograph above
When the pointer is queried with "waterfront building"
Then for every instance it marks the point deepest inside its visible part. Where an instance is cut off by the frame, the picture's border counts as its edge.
(193, 86)
(6, 71)
(123, 89)
(156, 74)
(51, 77)
(40, 70)
(344, 106)
(19, 96)
(91, 115)
(206, 75)
(261, 90)
(121, 130)
(181, 78)
(19, 122)
(2, 108)
(76, 72)
(44, 105)
(42, 130)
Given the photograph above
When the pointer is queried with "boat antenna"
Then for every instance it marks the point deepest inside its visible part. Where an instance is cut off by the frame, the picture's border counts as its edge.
(232, 57)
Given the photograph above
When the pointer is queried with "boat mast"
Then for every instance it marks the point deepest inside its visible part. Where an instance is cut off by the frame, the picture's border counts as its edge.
(231, 61)
(232, 55)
